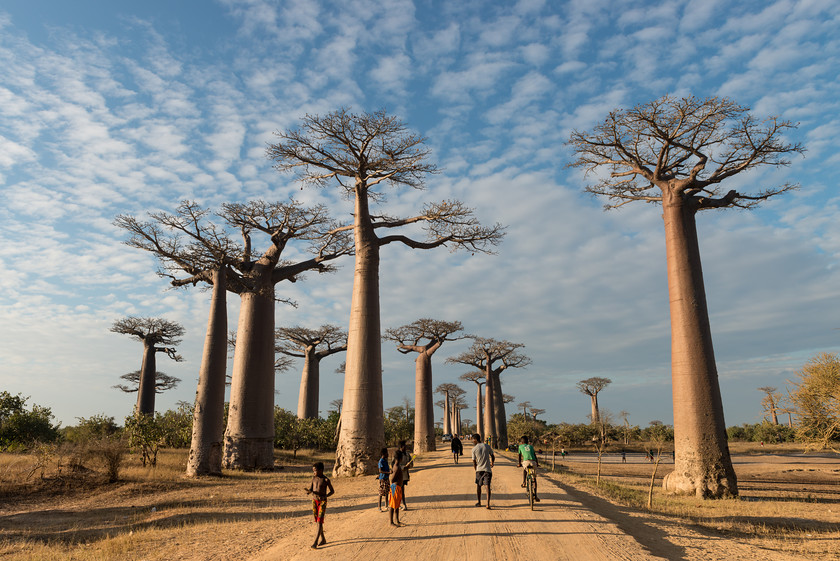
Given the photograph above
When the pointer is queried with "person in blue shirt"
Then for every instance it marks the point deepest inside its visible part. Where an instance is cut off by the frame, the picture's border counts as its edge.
(384, 472)
(528, 458)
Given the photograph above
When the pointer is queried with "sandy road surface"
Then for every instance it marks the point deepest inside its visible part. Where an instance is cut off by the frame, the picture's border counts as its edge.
(443, 523)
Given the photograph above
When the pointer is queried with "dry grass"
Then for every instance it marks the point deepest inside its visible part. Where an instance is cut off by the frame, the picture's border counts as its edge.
(150, 513)
(786, 503)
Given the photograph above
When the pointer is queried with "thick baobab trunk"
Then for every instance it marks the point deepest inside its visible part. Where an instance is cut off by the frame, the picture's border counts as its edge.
(363, 426)
(499, 414)
(478, 410)
(146, 389)
(208, 415)
(595, 415)
(249, 438)
(447, 415)
(773, 415)
(424, 407)
(703, 466)
(490, 409)
(309, 385)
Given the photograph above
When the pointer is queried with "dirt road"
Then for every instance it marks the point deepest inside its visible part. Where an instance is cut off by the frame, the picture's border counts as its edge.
(443, 523)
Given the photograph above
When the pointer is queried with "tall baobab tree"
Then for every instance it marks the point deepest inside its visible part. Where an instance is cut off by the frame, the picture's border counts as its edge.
(158, 336)
(476, 377)
(424, 337)
(362, 154)
(770, 402)
(493, 357)
(457, 402)
(524, 405)
(676, 153)
(336, 404)
(312, 345)
(535, 411)
(446, 390)
(188, 243)
(592, 387)
(501, 420)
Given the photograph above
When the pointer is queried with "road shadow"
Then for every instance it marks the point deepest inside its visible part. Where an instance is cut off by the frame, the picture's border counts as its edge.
(651, 538)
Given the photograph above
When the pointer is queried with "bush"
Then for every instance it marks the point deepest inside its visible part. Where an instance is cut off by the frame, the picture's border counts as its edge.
(110, 453)
(21, 428)
(91, 429)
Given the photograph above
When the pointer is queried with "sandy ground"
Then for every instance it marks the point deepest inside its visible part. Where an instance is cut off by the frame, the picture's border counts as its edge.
(442, 522)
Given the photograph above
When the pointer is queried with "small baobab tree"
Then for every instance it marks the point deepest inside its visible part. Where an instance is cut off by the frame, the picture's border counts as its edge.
(424, 337)
(163, 382)
(770, 402)
(476, 377)
(677, 153)
(592, 387)
(158, 335)
(312, 345)
(524, 405)
(493, 357)
(336, 405)
(362, 154)
(535, 412)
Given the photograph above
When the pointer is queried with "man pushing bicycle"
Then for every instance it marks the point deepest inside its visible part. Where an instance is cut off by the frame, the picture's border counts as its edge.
(528, 459)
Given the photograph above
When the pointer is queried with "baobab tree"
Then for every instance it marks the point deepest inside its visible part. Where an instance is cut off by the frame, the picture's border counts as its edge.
(188, 243)
(484, 353)
(446, 390)
(535, 411)
(676, 153)
(158, 336)
(592, 387)
(501, 420)
(524, 405)
(336, 405)
(476, 377)
(163, 382)
(424, 337)
(312, 345)
(362, 154)
(770, 402)
(457, 402)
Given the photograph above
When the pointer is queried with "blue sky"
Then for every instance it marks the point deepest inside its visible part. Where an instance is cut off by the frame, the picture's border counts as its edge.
(113, 108)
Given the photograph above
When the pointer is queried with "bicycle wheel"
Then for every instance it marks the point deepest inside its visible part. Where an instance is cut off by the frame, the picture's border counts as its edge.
(531, 488)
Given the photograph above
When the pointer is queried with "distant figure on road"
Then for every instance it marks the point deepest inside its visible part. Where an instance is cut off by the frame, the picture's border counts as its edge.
(457, 447)
(384, 483)
(563, 453)
(623, 457)
(483, 462)
(321, 487)
(396, 494)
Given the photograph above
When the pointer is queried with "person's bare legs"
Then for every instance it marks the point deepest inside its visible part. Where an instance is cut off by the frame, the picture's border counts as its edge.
(319, 534)
(488, 497)
(478, 495)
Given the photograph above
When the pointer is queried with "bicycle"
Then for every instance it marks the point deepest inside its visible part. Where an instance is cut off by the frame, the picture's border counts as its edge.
(531, 485)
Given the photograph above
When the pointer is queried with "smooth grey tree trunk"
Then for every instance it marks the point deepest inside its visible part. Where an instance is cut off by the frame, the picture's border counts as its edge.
(208, 415)
(489, 409)
(478, 410)
(703, 466)
(499, 414)
(362, 433)
(424, 412)
(309, 385)
(146, 389)
(249, 438)
(595, 416)
(447, 415)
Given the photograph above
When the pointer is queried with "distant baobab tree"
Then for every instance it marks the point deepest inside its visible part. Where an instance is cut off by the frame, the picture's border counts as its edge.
(592, 387)
(493, 357)
(446, 390)
(158, 336)
(336, 405)
(362, 154)
(163, 382)
(770, 402)
(535, 411)
(476, 377)
(187, 242)
(424, 337)
(676, 153)
(312, 345)
(524, 405)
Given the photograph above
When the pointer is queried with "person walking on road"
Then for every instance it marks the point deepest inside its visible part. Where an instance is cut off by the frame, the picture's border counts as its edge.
(483, 462)
(457, 448)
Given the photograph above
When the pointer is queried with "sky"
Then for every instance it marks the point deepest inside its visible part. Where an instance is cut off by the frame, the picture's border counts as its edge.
(111, 108)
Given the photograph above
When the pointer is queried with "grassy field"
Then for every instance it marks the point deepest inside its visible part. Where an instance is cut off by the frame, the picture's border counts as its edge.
(787, 503)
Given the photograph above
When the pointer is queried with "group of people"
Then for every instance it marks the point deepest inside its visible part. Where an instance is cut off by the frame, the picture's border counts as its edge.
(394, 476)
